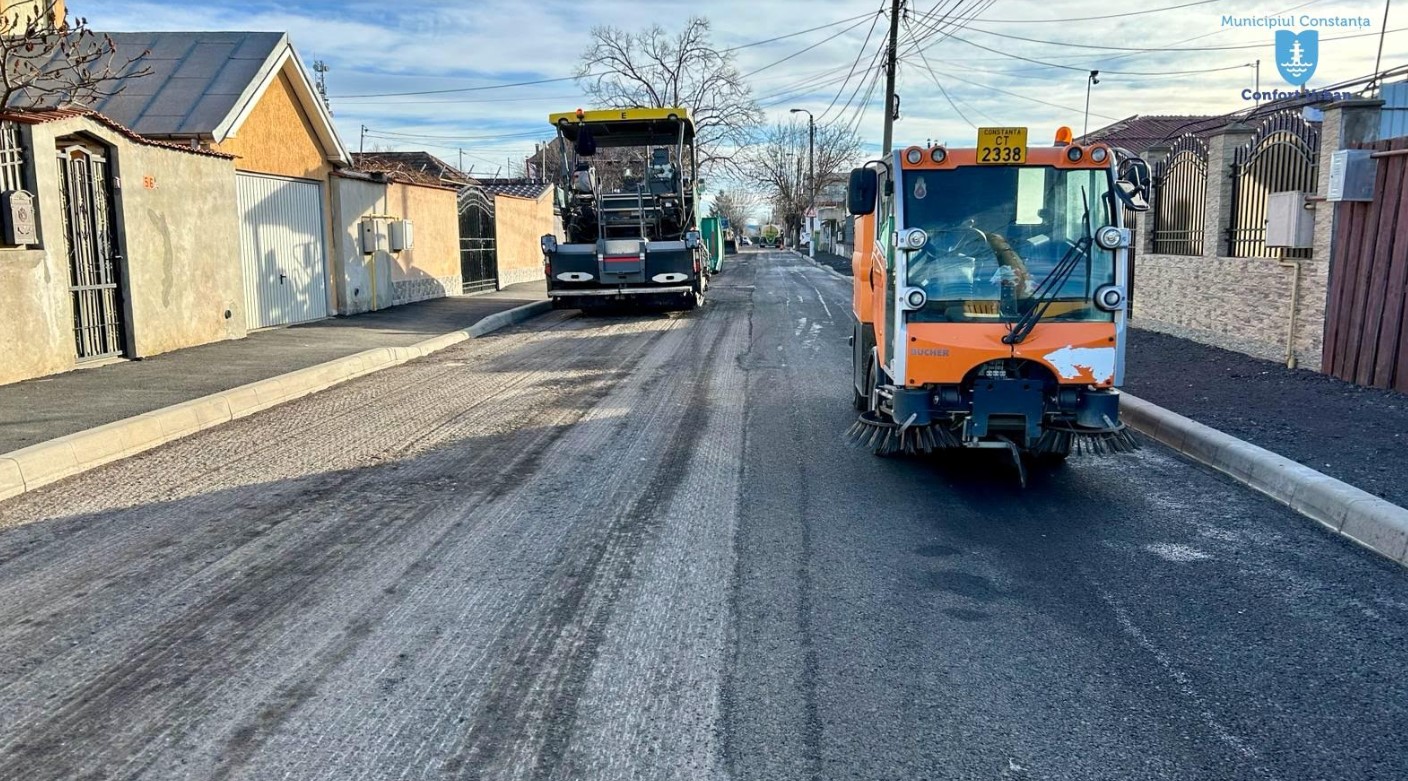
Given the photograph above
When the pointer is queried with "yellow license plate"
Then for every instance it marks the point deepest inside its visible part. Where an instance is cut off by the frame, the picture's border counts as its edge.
(1002, 145)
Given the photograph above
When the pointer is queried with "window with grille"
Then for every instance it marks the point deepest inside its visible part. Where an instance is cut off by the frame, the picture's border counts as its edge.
(12, 157)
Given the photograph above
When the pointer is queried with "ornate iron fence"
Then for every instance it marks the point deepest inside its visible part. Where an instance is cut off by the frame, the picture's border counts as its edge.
(1283, 155)
(1180, 196)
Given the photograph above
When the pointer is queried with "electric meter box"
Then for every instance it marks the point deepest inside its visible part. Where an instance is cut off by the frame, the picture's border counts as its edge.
(403, 235)
(1288, 223)
(372, 237)
(1352, 173)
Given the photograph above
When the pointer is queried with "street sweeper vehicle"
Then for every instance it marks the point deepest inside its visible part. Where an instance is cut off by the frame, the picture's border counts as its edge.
(990, 296)
(629, 211)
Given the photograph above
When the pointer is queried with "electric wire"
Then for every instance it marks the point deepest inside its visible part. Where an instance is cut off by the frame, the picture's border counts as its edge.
(938, 83)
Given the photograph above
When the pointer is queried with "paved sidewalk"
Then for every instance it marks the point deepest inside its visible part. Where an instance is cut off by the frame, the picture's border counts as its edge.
(37, 410)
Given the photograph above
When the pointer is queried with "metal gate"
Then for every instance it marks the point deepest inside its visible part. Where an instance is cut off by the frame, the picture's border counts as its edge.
(94, 266)
(1282, 156)
(479, 254)
(1180, 194)
(281, 249)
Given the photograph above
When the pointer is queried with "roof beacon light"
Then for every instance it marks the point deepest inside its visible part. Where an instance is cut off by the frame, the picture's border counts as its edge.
(1063, 136)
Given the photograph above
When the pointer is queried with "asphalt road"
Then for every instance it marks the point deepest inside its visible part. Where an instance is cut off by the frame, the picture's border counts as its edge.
(636, 547)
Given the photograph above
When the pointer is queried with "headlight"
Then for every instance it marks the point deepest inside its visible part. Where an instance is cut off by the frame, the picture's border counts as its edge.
(937, 154)
(1110, 298)
(1073, 154)
(1110, 237)
(915, 298)
(912, 239)
(1099, 154)
(913, 155)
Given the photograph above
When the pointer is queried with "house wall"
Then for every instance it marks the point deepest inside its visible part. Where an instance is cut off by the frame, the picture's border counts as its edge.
(278, 138)
(430, 269)
(175, 217)
(519, 226)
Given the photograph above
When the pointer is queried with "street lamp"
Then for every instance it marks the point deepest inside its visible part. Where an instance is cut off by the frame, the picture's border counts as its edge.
(811, 166)
(1090, 81)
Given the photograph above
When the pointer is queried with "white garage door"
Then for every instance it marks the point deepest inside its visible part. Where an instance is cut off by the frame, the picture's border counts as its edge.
(281, 246)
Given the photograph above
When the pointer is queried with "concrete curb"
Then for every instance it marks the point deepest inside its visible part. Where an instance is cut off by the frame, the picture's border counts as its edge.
(1375, 523)
(47, 462)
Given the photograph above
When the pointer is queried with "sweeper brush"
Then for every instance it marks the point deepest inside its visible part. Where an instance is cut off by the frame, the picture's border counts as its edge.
(1114, 438)
(885, 437)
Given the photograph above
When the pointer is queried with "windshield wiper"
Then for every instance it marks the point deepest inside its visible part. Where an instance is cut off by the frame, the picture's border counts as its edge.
(1046, 292)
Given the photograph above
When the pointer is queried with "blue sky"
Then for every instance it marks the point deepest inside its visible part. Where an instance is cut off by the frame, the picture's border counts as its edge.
(377, 47)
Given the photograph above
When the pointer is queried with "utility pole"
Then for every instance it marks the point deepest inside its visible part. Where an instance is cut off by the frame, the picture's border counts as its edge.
(461, 166)
(811, 167)
(362, 142)
(891, 64)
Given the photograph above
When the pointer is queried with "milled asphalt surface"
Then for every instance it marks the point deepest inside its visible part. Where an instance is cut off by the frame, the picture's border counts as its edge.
(41, 409)
(636, 547)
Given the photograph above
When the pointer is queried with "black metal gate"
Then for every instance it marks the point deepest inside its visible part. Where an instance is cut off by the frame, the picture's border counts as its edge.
(1180, 195)
(1283, 155)
(94, 265)
(479, 255)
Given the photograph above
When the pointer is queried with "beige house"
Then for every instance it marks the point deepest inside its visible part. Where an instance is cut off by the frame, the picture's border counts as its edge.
(134, 249)
(247, 94)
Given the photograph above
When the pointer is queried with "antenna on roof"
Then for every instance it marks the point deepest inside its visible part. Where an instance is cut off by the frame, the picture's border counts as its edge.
(321, 68)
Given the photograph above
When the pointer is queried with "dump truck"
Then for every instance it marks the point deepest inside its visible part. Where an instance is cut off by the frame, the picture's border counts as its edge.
(629, 211)
(990, 296)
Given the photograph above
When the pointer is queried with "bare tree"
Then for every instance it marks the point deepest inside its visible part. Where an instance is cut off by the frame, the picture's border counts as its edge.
(780, 163)
(736, 205)
(653, 69)
(50, 61)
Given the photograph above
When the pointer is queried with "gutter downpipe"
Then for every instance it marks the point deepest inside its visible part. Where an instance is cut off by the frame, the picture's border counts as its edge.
(1294, 264)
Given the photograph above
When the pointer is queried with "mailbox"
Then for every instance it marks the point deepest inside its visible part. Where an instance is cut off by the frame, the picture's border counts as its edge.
(21, 229)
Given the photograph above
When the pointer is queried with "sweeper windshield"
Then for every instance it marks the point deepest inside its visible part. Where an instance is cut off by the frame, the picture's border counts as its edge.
(1003, 237)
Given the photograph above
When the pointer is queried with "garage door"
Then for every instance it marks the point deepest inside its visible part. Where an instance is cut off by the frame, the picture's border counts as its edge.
(281, 246)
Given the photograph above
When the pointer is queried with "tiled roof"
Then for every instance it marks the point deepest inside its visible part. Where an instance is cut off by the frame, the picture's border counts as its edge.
(1138, 133)
(41, 116)
(515, 188)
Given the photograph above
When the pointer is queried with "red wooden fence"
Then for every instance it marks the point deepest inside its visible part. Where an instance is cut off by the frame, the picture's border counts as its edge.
(1366, 318)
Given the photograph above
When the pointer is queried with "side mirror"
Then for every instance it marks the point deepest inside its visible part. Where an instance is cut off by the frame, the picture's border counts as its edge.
(1133, 185)
(860, 193)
